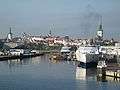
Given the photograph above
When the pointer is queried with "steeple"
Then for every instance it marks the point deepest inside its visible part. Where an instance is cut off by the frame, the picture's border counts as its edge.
(50, 32)
(100, 29)
(9, 36)
(100, 25)
(10, 31)
(99, 34)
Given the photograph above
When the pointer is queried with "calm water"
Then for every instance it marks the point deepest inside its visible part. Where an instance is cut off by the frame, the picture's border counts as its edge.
(40, 73)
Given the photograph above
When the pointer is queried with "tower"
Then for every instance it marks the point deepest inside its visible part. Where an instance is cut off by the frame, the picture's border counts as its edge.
(100, 31)
(99, 34)
(50, 33)
(9, 36)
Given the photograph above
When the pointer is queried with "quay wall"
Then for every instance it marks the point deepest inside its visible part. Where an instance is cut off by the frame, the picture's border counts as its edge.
(9, 57)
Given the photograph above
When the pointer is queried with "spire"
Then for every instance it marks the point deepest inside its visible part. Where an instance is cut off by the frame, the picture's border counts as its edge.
(100, 25)
(50, 32)
(100, 30)
(10, 31)
(9, 36)
(51, 28)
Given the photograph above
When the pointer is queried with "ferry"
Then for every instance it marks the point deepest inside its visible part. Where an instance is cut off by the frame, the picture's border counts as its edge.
(87, 56)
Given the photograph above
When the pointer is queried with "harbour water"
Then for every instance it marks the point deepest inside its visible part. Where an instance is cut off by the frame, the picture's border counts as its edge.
(40, 73)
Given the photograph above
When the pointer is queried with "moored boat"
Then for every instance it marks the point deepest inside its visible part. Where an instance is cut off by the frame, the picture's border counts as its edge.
(65, 52)
(56, 56)
(87, 56)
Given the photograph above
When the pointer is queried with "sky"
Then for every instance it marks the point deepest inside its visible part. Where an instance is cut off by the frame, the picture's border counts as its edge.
(76, 18)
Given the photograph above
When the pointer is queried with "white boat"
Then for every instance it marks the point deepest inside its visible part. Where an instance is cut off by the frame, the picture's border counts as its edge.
(67, 52)
(65, 49)
(19, 52)
(101, 64)
(88, 56)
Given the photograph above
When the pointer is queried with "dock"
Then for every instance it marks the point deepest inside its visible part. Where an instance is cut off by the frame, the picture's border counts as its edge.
(9, 57)
(112, 70)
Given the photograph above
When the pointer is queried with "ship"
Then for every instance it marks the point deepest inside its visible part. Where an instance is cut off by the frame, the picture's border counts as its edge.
(64, 54)
(87, 56)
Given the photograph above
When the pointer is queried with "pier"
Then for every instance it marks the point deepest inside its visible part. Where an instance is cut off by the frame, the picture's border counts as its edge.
(112, 70)
(9, 57)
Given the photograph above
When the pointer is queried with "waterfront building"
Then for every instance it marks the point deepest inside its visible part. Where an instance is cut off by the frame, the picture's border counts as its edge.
(37, 39)
(58, 40)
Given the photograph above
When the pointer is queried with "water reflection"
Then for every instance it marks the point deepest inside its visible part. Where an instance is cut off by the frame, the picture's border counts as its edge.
(34, 73)
(111, 79)
(26, 61)
(85, 74)
(79, 72)
(107, 78)
(92, 74)
(18, 65)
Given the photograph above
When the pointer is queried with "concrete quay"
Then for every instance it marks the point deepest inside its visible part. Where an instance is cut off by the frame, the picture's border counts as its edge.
(9, 57)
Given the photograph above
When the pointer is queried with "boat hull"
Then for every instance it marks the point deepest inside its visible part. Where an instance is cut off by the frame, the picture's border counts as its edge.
(87, 65)
(88, 56)
(87, 60)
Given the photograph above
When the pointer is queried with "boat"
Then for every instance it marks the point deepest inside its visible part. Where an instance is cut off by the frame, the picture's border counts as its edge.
(66, 52)
(87, 56)
(56, 56)
(22, 53)
(101, 64)
(65, 49)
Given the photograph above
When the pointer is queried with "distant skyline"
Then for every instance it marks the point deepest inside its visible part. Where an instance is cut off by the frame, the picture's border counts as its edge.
(77, 18)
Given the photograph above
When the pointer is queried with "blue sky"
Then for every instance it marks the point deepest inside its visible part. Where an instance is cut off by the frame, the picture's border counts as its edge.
(77, 18)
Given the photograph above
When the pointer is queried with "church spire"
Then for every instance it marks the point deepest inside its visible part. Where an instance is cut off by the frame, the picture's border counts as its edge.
(100, 25)
(99, 35)
(9, 36)
(10, 31)
(100, 28)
